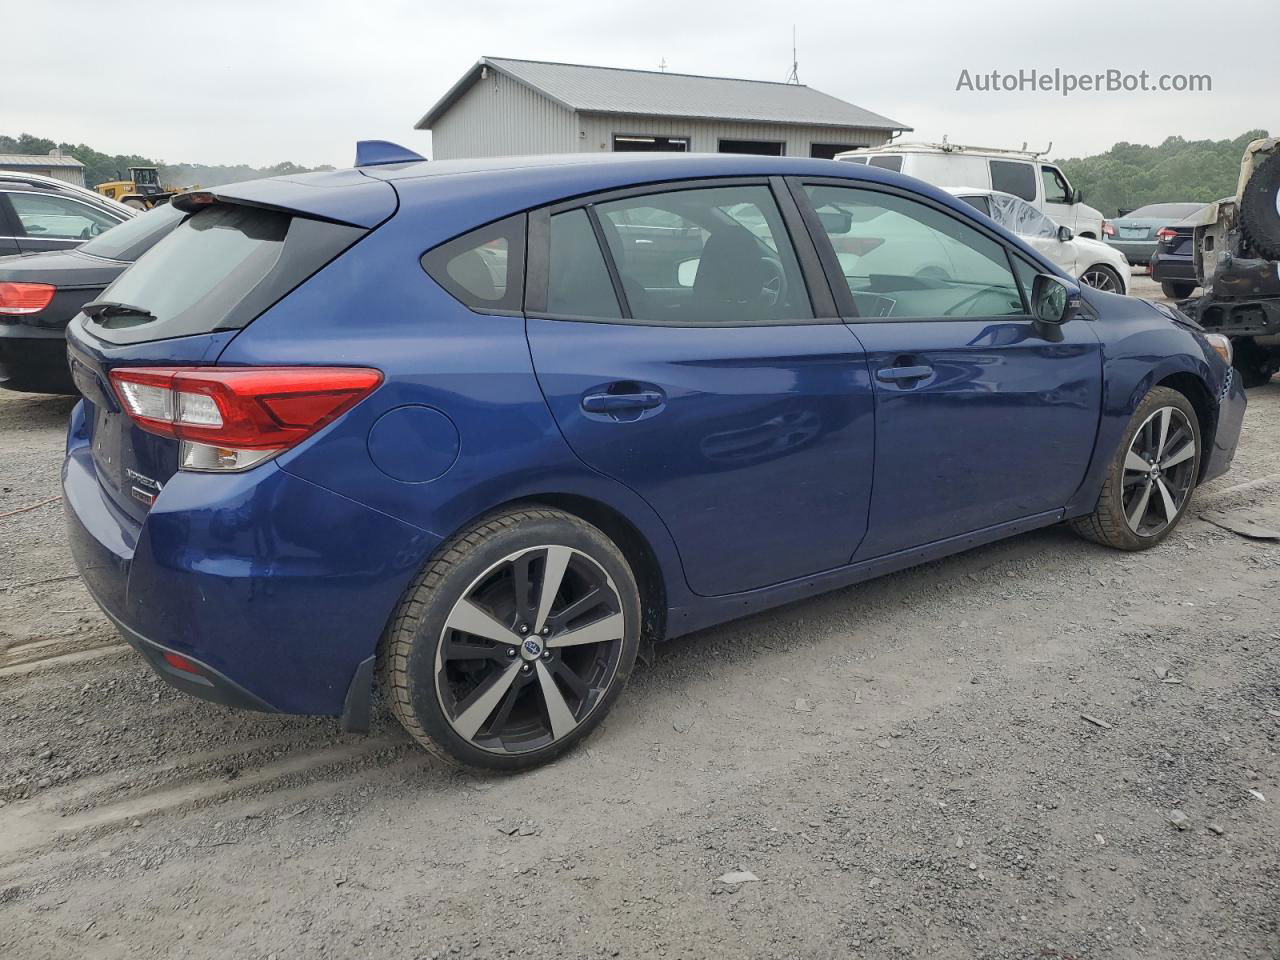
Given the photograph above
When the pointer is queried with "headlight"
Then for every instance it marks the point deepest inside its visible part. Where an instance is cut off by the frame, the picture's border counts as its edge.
(1221, 345)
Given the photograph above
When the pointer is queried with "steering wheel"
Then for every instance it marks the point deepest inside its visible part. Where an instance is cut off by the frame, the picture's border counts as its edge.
(773, 291)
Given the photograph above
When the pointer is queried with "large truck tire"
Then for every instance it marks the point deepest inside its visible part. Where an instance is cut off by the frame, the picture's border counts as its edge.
(1260, 208)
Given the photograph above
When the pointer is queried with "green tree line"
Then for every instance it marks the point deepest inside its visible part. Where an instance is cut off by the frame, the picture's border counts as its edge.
(1130, 175)
(101, 167)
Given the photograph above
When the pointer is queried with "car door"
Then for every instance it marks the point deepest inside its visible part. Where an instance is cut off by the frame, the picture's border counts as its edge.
(984, 415)
(715, 380)
(48, 221)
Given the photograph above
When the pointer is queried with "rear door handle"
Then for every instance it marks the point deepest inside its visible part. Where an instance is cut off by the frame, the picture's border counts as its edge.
(893, 374)
(613, 402)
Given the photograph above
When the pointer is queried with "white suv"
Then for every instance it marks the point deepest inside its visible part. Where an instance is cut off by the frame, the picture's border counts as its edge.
(1022, 174)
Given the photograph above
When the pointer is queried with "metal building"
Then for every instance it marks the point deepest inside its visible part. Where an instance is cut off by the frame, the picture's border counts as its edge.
(51, 165)
(504, 107)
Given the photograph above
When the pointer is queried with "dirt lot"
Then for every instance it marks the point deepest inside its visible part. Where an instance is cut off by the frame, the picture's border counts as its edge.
(904, 765)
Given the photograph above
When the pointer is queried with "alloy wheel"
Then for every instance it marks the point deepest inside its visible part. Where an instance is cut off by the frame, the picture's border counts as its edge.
(1158, 471)
(1100, 279)
(529, 649)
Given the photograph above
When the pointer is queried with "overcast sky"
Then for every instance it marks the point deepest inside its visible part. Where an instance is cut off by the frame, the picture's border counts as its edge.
(260, 81)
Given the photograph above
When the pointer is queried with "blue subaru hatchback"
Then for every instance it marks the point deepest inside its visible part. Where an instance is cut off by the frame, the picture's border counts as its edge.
(473, 433)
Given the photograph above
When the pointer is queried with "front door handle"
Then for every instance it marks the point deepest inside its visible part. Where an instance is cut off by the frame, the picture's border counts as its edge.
(896, 374)
(616, 402)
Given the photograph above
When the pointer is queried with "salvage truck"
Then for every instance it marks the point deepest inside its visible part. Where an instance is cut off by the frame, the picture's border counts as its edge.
(1237, 259)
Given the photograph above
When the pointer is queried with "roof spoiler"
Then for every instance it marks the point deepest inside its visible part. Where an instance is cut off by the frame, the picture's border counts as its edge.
(373, 153)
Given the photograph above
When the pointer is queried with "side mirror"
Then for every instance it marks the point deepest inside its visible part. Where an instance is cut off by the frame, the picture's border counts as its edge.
(1053, 300)
(1065, 234)
(1077, 196)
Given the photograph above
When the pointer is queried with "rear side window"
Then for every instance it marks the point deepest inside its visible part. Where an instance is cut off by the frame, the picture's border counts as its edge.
(484, 268)
(217, 270)
(58, 218)
(888, 163)
(1012, 176)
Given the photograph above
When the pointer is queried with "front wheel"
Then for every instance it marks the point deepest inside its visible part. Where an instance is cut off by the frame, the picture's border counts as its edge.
(514, 642)
(1151, 476)
(1102, 277)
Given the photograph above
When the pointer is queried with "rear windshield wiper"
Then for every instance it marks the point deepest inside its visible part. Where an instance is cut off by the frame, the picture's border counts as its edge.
(102, 310)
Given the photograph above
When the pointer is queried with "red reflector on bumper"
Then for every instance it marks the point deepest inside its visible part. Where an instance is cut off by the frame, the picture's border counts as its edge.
(179, 662)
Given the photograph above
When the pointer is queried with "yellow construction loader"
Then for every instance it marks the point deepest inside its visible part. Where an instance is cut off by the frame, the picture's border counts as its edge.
(142, 190)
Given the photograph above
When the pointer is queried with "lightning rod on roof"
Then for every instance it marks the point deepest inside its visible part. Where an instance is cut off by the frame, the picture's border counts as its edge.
(662, 65)
(794, 75)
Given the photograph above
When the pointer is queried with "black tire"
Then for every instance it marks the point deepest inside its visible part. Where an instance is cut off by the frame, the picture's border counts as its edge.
(1177, 289)
(422, 684)
(1254, 365)
(1112, 282)
(1109, 523)
(1259, 213)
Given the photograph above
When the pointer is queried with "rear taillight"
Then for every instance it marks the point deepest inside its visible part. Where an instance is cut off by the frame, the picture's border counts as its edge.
(1164, 233)
(1108, 228)
(20, 299)
(230, 418)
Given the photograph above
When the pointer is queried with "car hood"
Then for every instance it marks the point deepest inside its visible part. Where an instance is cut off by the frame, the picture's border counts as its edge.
(63, 268)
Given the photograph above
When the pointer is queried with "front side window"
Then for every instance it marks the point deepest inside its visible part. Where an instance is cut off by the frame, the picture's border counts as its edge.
(719, 255)
(1056, 188)
(1018, 216)
(902, 258)
(484, 268)
(1014, 176)
(58, 218)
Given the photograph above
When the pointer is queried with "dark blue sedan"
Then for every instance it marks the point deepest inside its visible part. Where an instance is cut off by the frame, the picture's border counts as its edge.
(476, 432)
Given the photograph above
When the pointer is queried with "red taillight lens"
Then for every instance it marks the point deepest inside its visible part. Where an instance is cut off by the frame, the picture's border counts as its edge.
(1108, 228)
(1164, 233)
(230, 418)
(20, 299)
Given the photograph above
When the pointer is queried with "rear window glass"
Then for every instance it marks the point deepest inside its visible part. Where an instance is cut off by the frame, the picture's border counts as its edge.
(888, 163)
(135, 236)
(217, 270)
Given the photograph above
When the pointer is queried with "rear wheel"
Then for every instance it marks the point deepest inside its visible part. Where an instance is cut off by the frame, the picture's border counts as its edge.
(1177, 290)
(514, 642)
(1102, 277)
(1253, 363)
(1151, 476)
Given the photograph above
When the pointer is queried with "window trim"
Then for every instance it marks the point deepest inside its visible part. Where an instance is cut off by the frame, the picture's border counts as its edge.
(831, 264)
(433, 262)
(537, 276)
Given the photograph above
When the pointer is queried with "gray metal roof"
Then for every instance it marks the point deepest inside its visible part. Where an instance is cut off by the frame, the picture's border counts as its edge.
(11, 160)
(651, 93)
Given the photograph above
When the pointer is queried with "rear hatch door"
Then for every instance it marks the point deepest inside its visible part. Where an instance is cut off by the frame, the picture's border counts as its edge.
(242, 249)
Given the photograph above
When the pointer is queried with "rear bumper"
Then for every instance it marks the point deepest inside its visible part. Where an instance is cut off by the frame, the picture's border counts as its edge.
(1231, 407)
(1181, 269)
(34, 359)
(1138, 251)
(275, 589)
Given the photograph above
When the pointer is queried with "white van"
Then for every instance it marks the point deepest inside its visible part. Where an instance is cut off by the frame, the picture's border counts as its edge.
(1022, 174)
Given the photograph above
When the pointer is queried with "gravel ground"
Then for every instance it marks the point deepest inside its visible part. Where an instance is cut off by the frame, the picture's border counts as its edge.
(906, 767)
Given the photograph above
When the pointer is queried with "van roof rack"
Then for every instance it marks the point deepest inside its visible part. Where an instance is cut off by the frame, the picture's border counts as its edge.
(947, 147)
